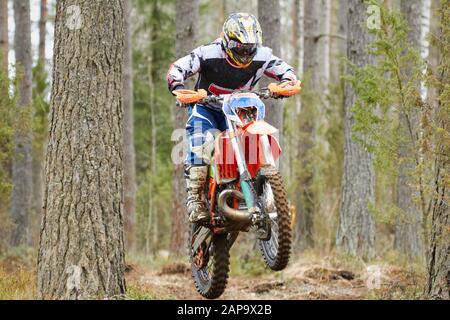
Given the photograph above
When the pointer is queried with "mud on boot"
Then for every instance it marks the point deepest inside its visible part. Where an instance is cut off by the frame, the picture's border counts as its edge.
(195, 186)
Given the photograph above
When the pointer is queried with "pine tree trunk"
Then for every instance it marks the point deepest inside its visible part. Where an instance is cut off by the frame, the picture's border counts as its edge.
(311, 69)
(38, 152)
(407, 237)
(338, 41)
(298, 40)
(325, 22)
(4, 44)
(299, 47)
(342, 31)
(438, 264)
(438, 251)
(81, 253)
(22, 162)
(270, 20)
(356, 230)
(42, 30)
(129, 171)
(233, 6)
(187, 17)
(298, 50)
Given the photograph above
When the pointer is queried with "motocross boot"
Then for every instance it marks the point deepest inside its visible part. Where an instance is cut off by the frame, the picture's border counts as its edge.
(195, 186)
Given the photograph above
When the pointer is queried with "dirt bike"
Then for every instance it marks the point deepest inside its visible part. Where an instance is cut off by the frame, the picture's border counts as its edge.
(244, 190)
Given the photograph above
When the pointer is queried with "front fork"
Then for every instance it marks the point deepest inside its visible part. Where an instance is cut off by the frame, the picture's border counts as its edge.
(245, 178)
(247, 188)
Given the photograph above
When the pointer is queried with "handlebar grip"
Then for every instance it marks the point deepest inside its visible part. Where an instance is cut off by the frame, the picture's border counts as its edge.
(189, 96)
(285, 89)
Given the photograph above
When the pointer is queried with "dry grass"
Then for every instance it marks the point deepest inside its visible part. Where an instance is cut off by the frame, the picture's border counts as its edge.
(17, 281)
(308, 276)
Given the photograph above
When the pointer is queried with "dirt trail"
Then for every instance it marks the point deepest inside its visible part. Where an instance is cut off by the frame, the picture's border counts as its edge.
(298, 281)
(308, 278)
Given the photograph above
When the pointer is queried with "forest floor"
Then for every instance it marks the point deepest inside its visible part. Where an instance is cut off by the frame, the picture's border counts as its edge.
(308, 277)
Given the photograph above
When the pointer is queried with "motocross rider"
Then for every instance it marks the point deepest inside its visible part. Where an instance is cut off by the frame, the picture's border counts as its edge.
(235, 61)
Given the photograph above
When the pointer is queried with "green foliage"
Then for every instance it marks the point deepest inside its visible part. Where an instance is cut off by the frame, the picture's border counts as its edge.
(246, 259)
(6, 134)
(319, 124)
(388, 91)
(136, 291)
(248, 265)
(153, 52)
(436, 138)
(7, 116)
(153, 205)
(41, 109)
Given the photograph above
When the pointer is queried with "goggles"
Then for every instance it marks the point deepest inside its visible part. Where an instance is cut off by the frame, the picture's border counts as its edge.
(242, 49)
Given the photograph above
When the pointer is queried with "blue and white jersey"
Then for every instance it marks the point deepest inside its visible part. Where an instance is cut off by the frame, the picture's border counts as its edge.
(218, 76)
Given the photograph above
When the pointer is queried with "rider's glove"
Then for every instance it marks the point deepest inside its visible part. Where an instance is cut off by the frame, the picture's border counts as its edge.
(177, 87)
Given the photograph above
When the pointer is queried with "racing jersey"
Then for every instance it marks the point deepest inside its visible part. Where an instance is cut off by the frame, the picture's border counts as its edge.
(217, 76)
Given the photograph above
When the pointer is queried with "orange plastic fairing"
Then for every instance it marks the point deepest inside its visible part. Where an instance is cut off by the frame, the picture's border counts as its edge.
(190, 96)
(260, 127)
(285, 89)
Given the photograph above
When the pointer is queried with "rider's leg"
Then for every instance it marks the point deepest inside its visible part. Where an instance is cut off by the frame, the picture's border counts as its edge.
(195, 184)
(199, 129)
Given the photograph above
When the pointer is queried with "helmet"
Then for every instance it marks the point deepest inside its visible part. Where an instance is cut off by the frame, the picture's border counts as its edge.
(241, 37)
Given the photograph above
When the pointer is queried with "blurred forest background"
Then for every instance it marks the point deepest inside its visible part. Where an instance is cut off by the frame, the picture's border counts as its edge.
(365, 146)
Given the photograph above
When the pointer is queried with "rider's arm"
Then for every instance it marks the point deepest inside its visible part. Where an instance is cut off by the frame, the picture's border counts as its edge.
(183, 68)
(279, 70)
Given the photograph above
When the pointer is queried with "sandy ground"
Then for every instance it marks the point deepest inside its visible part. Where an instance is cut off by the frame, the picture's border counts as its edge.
(305, 278)
(300, 280)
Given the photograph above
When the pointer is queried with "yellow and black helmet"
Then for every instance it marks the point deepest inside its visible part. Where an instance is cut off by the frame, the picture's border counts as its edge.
(241, 37)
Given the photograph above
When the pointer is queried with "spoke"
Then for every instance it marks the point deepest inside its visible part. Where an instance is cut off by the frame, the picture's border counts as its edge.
(274, 240)
(275, 226)
(208, 270)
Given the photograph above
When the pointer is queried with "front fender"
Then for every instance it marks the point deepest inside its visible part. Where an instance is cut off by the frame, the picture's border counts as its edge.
(259, 127)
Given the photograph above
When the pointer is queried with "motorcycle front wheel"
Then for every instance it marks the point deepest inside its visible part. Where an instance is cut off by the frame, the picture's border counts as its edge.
(272, 194)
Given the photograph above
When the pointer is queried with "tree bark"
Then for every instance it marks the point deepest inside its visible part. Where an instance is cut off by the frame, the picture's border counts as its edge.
(299, 44)
(312, 29)
(233, 6)
(342, 31)
(438, 251)
(187, 17)
(39, 135)
(22, 162)
(324, 42)
(129, 164)
(407, 235)
(292, 120)
(270, 20)
(4, 43)
(81, 252)
(311, 67)
(42, 30)
(438, 264)
(356, 230)
(338, 42)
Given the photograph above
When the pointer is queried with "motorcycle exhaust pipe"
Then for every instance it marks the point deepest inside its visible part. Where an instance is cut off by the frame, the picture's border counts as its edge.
(231, 213)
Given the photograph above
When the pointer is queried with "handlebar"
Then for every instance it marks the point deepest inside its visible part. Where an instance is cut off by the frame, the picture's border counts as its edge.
(263, 93)
(284, 90)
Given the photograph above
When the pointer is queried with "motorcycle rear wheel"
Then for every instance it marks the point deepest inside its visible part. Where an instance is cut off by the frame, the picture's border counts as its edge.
(211, 279)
